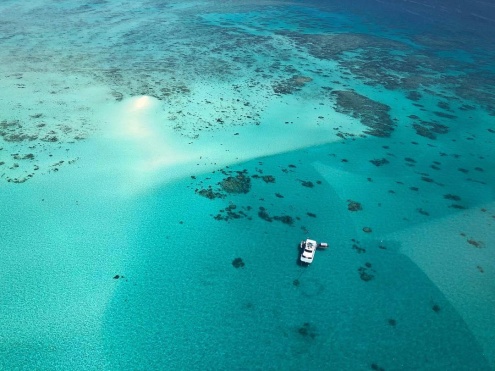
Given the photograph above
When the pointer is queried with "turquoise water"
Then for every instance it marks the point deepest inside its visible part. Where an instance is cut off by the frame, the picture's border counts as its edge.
(145, 146)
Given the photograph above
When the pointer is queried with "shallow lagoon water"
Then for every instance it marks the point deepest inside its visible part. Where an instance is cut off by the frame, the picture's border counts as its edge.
(118, 120)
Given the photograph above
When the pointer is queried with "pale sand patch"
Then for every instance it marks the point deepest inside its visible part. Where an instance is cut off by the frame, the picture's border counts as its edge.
(58, 258)
(452, 265)
(141, 149)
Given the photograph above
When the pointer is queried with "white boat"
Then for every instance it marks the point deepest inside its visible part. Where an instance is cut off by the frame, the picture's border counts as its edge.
(308, 250)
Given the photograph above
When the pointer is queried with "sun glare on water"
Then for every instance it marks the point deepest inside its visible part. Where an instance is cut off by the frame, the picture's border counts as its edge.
(142, 102)
(135, 123)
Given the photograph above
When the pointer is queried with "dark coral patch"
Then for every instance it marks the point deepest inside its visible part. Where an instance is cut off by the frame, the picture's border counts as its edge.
(375, 367)
(236, 184)
(291, 85)
(268, 178)
(307, 330)
(473, 242)
(354, 205)
(379, 161)
(209, 193)
(452, 197)
(307, 183)
(372, 114)
(238, 263)
(430, 129)
(263, 214)
(286, 219)
(366, 274)
(422, 212)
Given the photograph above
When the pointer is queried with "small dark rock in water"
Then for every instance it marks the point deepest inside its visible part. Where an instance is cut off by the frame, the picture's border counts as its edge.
(374, 366)
(306, 183)
(475, 243)
(296, 282)
(117, 276)
(303, 330)
(311, 215)
(279, 195)
(367, 230)
(238, 263)
(444, 115)
(358, 248)
(422, 212)
(268, 178)
(364, 274)
(307, 330)
(452, 197)
(392, 322)
(354, 205)
(263, 214)
(436, 308)
(379, 161)
(286, 219)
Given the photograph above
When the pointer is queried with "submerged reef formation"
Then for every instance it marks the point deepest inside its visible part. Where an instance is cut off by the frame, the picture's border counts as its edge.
(371, 113)
(236, 184)
(333, 46)
(307, 330)
(238, 263)
(291, 85)
(429, 129)
(366, 272)
(38, 140)
(354, 205)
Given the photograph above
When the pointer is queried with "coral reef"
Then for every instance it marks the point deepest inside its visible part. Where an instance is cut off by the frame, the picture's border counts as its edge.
(236, 184)
(307, 330)
(238, 263)
(354, 205)
(372, 114)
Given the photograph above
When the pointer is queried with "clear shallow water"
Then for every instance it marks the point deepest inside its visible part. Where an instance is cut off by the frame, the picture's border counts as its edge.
(117, 120)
